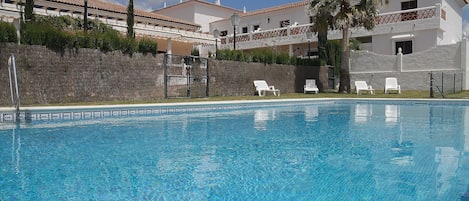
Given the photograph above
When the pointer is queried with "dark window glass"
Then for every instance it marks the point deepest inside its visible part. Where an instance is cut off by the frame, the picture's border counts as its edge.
(245, 29)
(406, 5)
(409, 15)
(405, 45)
(284, 23)
(255, 27)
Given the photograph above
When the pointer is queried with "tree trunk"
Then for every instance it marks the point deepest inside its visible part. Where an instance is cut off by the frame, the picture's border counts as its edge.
(322, 43)
(344, 64)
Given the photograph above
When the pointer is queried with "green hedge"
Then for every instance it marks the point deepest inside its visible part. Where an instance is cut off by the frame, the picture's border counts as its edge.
(264, 56)
(147, 46)
(8, 33)
(65, 32)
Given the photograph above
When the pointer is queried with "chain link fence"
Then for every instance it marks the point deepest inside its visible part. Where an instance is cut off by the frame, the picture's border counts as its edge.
(442, 84)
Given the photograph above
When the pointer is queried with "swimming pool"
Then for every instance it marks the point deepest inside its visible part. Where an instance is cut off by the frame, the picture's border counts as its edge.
(289, 150)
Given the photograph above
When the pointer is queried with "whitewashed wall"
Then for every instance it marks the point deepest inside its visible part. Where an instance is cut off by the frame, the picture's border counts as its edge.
(412, 70)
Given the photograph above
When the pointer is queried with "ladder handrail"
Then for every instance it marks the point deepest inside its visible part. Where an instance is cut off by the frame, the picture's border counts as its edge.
(15, 103)
(11, 81)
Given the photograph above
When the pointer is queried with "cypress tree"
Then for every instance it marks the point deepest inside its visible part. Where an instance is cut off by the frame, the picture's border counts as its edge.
(130, 19)
(28, 11)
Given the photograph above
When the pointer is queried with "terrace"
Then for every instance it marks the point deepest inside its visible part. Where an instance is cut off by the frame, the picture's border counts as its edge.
(408, 20)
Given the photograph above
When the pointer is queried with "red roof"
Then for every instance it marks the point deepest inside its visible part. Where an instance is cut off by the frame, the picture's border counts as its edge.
(116, 8)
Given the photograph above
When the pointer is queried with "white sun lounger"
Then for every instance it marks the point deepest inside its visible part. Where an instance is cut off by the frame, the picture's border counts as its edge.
(391, 85)
(362, 86)
(310, 86)
(262, 87)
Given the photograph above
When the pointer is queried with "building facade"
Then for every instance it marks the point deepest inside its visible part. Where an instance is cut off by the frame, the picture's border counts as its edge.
(412, 25)
(170, 32)
(199, 12)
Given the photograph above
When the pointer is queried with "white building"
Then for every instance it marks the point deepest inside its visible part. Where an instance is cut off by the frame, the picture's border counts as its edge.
(413, 25)
(199, 12)
(167, 30)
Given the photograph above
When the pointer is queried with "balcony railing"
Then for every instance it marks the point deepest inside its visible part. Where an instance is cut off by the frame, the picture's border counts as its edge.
(407, 15)
(274, 33)
(386, 18)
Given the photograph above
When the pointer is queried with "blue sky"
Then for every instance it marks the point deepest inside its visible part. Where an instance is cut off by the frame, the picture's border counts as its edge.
(237, 4)
(465, 16)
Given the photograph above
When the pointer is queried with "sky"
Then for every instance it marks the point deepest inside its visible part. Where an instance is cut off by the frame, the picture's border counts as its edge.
(250, 5)
(465, 16)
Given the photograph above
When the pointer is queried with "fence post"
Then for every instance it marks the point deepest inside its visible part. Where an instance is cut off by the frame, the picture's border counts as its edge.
(442, 83)
(431, 85)
(165, 74)
(462, 80)
(454, 83)
(207, 87)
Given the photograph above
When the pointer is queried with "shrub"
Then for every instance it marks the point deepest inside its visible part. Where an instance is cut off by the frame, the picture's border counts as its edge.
(129, 46)
(195, 52)
(8, 33)
(33, 34)
(65, 32)
(265, 56)
(147, 46)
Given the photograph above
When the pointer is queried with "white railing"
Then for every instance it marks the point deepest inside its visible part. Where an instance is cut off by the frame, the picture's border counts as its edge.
(285, 34)
(407, 15)
(268, 34)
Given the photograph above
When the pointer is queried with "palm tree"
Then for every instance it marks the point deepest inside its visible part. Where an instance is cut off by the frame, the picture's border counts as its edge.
(347, 14)
(322, 20)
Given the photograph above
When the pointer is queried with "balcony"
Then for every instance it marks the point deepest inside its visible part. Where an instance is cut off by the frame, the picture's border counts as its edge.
(407, 15)
(420, 18)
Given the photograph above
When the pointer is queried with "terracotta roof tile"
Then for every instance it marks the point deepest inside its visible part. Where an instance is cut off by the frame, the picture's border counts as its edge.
(276, 8)
(199, 1)
(107, 6)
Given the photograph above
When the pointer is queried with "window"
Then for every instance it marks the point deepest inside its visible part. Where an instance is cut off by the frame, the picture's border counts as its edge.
(255, 27)
(407, 5)
(284, 23)
(224, 33)
(405, 45)
(245, 29)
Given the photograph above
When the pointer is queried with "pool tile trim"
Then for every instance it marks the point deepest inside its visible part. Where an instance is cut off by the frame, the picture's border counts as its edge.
(59, 113)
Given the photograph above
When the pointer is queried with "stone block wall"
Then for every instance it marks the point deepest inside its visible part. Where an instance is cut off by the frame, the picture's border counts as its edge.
(88, 75)
(83, 75)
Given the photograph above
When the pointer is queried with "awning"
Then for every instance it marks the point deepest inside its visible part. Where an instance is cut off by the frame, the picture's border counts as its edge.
(403, 36)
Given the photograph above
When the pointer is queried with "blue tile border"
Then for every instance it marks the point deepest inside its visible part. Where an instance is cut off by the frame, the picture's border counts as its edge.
(96, 112)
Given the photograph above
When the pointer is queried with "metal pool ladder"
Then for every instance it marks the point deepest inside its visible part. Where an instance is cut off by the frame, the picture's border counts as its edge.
(15, 95)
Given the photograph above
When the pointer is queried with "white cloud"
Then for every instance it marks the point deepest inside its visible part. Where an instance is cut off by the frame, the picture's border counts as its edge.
(150, 5)
(120, 2)
(465, 22)
(465, 28)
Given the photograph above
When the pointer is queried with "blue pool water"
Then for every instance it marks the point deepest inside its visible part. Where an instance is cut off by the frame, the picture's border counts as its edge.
(308, 151)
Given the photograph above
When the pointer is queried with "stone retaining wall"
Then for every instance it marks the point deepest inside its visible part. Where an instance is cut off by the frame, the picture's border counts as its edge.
(88, 75)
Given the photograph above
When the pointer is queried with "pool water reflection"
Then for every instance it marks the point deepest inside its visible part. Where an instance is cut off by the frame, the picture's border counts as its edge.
(308, 151)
